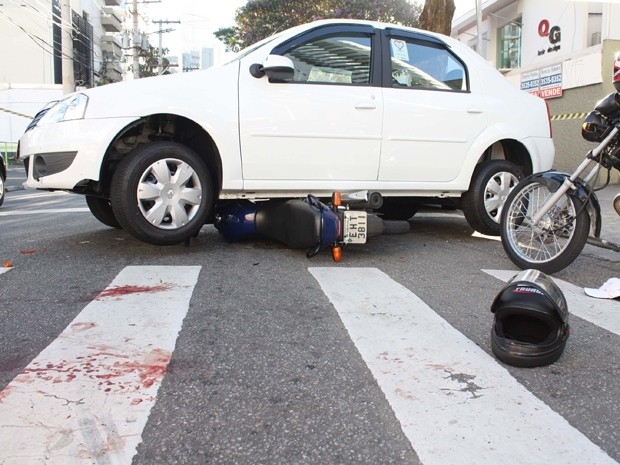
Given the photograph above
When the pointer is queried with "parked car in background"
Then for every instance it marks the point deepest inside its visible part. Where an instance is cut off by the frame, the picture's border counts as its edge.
(333, 105)
(2, 180)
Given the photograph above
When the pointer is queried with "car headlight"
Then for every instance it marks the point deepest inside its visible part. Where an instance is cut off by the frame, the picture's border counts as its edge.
(70, 108)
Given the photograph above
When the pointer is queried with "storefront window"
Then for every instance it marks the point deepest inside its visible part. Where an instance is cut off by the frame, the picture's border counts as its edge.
(509, 46)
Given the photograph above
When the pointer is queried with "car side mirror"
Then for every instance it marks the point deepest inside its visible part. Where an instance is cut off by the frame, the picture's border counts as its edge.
(276, 67)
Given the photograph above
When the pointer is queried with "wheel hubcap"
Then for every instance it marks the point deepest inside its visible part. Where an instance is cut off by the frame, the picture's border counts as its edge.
(496, 193)
(169, 194)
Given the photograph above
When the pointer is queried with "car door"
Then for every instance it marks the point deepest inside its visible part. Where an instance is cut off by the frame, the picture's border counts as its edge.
(431, 117)
(323, 125)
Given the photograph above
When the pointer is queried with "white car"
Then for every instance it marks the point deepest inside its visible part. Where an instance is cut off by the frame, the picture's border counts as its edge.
(333, 105)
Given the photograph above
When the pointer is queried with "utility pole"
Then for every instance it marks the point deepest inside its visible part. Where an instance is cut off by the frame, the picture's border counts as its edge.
(66, 27)
(136, 37)
(160, 32)
(136, 43)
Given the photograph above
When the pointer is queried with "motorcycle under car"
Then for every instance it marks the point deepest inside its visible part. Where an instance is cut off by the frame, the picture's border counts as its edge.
(306, 223)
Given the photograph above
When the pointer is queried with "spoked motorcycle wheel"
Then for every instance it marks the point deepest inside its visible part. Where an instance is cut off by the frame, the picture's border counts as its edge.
(551, 244)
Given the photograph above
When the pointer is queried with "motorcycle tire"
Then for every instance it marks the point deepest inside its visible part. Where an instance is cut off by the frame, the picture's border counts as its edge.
(378, 226)
(554, 242)
(396, 227)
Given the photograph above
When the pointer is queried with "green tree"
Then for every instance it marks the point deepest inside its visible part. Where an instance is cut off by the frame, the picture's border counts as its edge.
(149, 62)
(261, 18)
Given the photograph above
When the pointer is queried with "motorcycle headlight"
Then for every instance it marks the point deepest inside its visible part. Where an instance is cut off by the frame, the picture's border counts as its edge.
(595, 127)
(70, 108)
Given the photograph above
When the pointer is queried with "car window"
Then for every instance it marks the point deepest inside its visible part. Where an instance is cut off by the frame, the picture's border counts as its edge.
(425, 65)
(339, 58)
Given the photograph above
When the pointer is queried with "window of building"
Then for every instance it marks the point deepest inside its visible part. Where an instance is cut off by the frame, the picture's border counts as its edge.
(595, 23)
(83, 57)
(509, 45)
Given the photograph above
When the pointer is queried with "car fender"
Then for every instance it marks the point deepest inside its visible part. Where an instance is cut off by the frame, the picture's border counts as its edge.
(552, 180)
(540, 151)
(209, 98)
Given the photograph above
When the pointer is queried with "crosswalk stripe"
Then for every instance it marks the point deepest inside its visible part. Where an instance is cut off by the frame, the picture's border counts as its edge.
(455, 403)
(602, 312)
(86, 397)
(47, 211)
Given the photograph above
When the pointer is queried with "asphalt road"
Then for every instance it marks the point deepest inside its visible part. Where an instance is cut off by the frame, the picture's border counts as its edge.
(270, 367)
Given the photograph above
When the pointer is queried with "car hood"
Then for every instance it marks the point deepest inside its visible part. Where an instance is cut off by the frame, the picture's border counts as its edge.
(157, 94)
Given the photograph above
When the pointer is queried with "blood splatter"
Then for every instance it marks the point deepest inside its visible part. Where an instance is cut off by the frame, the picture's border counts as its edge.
(113, 372)
(126, 290)
(5, 393)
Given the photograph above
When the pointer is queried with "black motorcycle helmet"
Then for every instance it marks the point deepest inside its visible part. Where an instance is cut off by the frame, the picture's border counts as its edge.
(530, 326)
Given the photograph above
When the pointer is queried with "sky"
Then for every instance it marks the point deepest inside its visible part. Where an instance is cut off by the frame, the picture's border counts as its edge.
(200, 18)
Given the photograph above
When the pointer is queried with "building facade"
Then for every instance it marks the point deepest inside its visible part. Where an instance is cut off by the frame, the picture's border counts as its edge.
(207, 57)
(561, 50)
(32, 51)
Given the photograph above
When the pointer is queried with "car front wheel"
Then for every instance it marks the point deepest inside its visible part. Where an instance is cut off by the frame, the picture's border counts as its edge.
(491, 183)
(162, 193)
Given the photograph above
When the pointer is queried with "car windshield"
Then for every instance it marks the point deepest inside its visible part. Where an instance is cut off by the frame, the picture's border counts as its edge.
(246, 51)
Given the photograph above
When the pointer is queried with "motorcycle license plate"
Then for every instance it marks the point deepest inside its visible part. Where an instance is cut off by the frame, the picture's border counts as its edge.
(355, 227)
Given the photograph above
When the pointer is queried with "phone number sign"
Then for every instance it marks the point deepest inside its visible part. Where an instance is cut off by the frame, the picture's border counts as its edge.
(544, 82)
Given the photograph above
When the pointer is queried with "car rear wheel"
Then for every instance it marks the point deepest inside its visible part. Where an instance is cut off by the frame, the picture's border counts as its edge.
(2, 189)
(483, 203)
(162, 193)
(102, 210)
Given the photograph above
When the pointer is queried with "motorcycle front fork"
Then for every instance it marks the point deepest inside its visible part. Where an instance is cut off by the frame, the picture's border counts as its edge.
(569, 183)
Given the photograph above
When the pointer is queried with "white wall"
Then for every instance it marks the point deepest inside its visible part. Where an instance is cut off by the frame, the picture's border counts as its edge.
(26, 38)
(539, 17)
(19, 104)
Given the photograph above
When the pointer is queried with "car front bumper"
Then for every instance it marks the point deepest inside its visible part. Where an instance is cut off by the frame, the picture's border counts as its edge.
(63, 155)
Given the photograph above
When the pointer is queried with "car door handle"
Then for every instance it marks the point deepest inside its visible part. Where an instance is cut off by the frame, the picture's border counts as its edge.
(475, 111)
(366, 106)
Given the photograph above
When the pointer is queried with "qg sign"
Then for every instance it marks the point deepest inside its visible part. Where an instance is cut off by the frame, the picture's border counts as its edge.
(552, 33)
